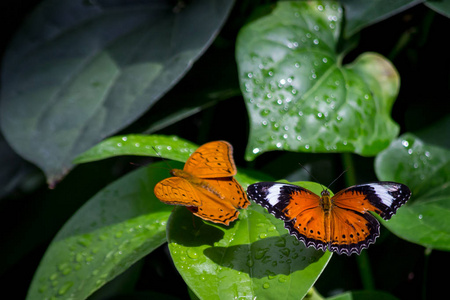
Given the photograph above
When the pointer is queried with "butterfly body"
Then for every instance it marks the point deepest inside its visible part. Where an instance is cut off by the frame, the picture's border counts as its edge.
(206, 185)
(341, 223)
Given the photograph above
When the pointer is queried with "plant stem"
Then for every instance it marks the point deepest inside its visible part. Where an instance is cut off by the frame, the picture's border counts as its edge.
(363, 261)
(427, 254)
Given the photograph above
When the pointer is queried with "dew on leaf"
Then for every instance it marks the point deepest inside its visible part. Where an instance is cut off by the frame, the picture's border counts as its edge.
(65, 287)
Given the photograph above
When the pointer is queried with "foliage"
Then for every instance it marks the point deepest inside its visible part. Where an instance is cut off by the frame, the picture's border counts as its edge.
(111, 86)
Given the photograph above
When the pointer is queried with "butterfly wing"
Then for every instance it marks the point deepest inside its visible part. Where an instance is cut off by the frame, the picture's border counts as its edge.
(353, 228)
(352, 231)
(212, 160)
(221, 210)
(297, 206)
(175, 190)
(383, 197)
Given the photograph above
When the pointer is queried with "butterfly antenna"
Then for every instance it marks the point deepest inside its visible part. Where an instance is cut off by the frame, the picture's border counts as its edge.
(162, 158)
(310, 174)
(337, 178)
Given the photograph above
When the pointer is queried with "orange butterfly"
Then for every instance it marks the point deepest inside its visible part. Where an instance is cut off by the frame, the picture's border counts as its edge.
(341, 223)
(206, 185)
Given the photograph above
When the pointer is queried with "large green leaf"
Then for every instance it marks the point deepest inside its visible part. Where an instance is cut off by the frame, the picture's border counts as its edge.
(255, 257)
(426, 170)
(78, 71)
(298, 95)
(114, 229)
(360, 14)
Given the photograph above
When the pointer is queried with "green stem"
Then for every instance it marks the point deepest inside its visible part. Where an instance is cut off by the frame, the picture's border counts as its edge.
(363, 261)
(427, 254)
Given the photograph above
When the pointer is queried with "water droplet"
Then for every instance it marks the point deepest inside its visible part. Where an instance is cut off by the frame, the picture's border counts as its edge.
(420, 217)
(266, 285)
(192, 253)
(285, 251)
(260, 253)
(85, 240)
(53, 276)
(256, 150)
(405, 143)
(250, 262)
(124, 138)
(65, 287)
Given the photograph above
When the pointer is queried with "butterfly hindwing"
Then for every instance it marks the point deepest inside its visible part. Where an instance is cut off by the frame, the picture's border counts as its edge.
(352, 231)
(175, 190)
(309, 227)
(232, 191)
(383, 197)
(212, 160)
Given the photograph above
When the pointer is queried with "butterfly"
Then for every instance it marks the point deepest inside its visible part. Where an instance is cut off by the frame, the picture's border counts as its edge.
(341, 223)
(206, 185)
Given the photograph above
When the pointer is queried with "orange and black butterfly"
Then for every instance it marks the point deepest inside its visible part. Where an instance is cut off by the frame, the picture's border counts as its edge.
(206, 185)
(341, 223)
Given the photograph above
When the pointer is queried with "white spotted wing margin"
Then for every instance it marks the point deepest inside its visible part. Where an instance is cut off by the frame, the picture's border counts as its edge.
(386, 196)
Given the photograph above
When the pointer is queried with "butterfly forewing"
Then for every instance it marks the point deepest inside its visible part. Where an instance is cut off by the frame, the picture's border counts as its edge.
(384, 198)
(212, 160)
(284, 201)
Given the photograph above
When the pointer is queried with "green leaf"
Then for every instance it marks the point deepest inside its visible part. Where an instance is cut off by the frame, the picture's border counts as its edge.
(78, 71)
(426, 170)
(114, 229)
(298, 95)
(442, 7)
(255, 257)
(170, 147)
(360, 14)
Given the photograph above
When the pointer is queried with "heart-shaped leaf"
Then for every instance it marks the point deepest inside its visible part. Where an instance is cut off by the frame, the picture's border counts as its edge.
(78, 71)
(298, 94)
(254, 257)
(114, 229)
(426, 170)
